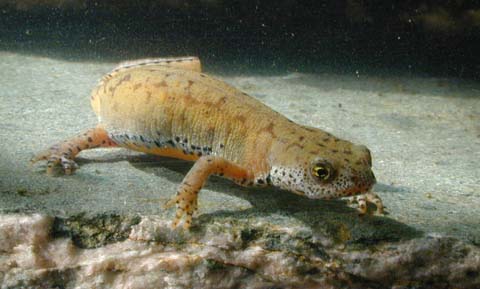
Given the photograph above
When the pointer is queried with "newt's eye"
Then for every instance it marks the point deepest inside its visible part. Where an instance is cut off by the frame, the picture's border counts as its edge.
(322, 171)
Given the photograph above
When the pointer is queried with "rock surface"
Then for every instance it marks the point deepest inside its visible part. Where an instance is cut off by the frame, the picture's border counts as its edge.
(104, 226)
(231, 253)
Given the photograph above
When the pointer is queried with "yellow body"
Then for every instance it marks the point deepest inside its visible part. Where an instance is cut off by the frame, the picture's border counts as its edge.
(169, 107)
(163, 103)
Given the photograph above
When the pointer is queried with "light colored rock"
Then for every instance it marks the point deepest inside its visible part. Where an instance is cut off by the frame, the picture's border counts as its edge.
(153, 257)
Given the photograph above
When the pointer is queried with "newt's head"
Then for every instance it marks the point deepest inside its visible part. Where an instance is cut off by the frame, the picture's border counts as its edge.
(321, 166)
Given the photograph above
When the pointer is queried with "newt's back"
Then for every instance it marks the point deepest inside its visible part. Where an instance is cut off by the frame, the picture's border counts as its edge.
(157, 107)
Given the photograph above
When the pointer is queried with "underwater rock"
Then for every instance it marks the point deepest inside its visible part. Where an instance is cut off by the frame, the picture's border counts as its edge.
(222, 253)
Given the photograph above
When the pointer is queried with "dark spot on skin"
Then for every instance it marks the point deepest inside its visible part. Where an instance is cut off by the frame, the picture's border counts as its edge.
(90, 139)
(313, 152)
(137, 86)
(269, 179)
(149, 96)
(222, 146)
(300, 138)
(221, 101)
(185, 140)
(202, 75)
(269, 129)
(334, 151)
(295, 144)
(78, 148)
(190, 83)
(142, 139)
(320, 145)
(199, 154)
(170, 142)
(177, 139)
(103, 142)
(240, 118)
(260, 181)
(326, 139)
(160, 84)
(127, 136)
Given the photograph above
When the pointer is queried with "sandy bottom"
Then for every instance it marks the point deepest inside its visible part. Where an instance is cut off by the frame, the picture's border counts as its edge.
(424, 134)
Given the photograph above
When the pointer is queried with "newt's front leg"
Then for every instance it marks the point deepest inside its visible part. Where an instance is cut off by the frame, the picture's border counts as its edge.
(187, 193)
(64, 153)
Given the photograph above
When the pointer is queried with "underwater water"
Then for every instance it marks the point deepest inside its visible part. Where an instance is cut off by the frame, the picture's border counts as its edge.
(401, 78)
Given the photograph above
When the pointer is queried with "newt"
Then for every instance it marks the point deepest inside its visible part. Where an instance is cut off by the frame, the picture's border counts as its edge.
(169, 107)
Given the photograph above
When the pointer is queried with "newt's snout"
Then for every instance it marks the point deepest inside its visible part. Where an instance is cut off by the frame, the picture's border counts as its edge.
(363, 178)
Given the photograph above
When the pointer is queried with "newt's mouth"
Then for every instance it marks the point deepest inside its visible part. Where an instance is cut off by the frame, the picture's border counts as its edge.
(358, 190)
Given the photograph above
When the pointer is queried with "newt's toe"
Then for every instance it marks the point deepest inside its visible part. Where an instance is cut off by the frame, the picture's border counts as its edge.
(186, 203)
(363, 200)
(55, 157)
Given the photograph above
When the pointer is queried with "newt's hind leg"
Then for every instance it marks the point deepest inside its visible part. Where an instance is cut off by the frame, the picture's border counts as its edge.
(64, 153)
(187, 193)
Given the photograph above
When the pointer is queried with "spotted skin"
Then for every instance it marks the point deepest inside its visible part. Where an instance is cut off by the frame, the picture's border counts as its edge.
(168, 107)
(64, 153)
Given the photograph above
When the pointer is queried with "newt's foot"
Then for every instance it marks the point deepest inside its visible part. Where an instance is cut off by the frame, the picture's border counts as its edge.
(56, 156)
(362, 201)
(186, 202)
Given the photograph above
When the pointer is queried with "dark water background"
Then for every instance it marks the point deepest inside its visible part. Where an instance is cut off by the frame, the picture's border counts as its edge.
(397, 37)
